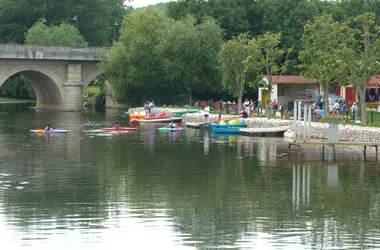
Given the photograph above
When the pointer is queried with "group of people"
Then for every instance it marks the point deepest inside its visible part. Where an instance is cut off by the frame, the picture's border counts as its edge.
(250, 106)
(149, 109)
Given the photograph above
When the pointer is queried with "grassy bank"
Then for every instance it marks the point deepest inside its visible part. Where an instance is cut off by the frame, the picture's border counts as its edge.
(12, 100)
(92, 95)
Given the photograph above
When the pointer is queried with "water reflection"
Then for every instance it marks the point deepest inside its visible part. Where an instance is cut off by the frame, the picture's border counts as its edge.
(301, 185)
(206, 142)
(186, 190)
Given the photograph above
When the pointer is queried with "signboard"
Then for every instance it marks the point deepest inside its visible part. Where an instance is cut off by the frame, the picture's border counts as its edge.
(311, 95)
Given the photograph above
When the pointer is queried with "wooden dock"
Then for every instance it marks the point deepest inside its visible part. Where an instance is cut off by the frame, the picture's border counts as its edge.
(197, 125)
(365, 145)
(192, 125)
(273, 131)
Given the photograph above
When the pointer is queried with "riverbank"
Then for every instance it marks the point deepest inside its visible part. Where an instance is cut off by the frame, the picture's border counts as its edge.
(318, 130)
(12, 100)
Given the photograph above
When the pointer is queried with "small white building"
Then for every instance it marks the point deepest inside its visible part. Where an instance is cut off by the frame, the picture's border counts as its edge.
(287, 88)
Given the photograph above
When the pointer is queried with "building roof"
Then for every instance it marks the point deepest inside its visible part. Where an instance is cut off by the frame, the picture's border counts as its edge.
(302, 80)
(291, 79)
(374, 80)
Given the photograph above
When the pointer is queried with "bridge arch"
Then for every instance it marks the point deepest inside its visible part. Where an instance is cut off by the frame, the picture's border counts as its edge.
(47, 85)
(87, 80)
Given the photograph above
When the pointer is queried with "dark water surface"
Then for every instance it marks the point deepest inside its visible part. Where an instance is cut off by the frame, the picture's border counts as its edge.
(184, 190)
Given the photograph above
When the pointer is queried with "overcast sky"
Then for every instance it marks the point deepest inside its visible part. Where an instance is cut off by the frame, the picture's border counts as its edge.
(141, 3)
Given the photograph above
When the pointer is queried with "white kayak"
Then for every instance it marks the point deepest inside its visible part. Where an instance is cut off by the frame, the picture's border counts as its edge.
(55, 131)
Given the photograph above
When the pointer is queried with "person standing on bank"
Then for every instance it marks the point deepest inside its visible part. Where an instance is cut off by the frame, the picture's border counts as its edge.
(147, 109)
(354, 110)
(151, 107)
(246, 105)
(206, 113)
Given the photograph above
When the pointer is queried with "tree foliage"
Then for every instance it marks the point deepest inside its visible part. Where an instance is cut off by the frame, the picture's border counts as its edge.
(157, 57)
(63, 35)
(325, 42)
(231, 59)
(264, 58)
(362, 60)
(95, 17)
(189, 53)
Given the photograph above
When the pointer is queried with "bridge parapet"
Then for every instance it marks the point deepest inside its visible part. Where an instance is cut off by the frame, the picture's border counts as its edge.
(39, 52)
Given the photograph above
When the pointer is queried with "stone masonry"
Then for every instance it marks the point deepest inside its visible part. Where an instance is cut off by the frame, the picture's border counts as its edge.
(58, 74)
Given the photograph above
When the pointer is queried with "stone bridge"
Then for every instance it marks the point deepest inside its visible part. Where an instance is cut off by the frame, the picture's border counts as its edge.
(59, 75)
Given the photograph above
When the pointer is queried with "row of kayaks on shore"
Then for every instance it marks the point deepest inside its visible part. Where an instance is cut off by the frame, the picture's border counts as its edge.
(61, 131)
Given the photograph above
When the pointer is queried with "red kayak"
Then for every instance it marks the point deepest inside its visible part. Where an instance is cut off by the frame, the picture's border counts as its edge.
(161, 116)
(135, 121)
(119, 129)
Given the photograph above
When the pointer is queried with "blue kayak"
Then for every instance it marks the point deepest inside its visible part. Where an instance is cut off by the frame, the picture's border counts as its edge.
(227, 125)
(227, 130)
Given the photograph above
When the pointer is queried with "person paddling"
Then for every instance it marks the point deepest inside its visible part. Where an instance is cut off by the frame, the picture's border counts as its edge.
(48, 128)
(117, 124)
(172, 125)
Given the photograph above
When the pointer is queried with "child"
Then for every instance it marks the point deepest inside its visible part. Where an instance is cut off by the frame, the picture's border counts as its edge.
(117, 124)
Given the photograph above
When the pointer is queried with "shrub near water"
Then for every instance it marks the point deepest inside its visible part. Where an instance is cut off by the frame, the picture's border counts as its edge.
(93, 96)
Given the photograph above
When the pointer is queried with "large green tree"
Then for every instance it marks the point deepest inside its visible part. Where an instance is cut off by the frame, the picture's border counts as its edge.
(231, 57)
(363, 59)
(133, 66)
(264, 58)
(324, 44)
(189, 53)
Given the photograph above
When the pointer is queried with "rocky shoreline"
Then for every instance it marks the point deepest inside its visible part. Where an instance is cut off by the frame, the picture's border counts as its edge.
(318, 131)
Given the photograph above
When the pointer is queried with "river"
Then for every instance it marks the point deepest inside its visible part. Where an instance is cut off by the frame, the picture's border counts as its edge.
(182, 190)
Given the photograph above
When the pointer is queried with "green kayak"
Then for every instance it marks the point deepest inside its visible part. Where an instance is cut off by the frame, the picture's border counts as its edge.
(182, 112)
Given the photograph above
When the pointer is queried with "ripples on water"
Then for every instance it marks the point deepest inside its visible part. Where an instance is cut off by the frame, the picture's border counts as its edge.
(91, 189)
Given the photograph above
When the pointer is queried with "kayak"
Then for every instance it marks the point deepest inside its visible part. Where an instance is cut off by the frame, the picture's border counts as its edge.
(55, 131)
(228, 130)
(182, 112)
(227, 125)
(135, 121)
(119, 129)
(161, 116)
(169, 129)
(176, 129)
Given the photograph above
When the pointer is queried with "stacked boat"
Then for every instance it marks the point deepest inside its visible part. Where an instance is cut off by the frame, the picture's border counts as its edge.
(179, 113)
(138, 117)
(230, 127)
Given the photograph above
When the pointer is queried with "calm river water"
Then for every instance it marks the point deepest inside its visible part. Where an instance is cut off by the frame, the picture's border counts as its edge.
(184, 190)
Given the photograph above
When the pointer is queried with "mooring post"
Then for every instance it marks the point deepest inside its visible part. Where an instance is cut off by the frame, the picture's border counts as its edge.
(295, 109)
(299, 116)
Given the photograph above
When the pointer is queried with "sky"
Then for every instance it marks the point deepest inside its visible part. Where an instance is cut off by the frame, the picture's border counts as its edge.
(141, 3)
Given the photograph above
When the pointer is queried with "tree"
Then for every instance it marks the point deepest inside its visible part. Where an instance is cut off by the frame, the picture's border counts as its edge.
(363, 60)
(325, 42)
(133, 66)
(288, 18)
(189, 53)
(96, 18)
(62, 35)
(231, 57)
(264, 58)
